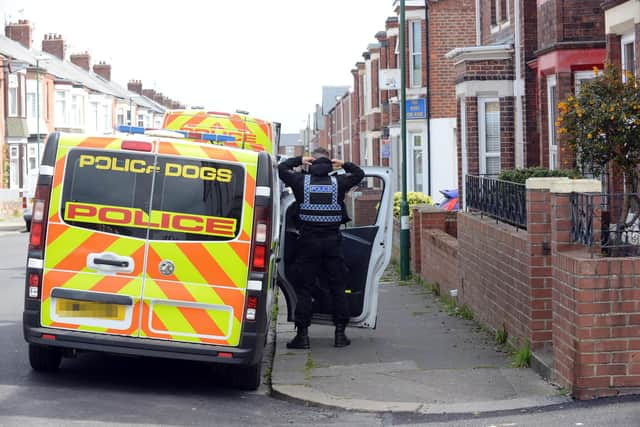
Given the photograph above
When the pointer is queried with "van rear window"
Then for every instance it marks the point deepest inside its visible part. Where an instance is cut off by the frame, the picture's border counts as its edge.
(103, 190)
(190, 199)
(207, 196)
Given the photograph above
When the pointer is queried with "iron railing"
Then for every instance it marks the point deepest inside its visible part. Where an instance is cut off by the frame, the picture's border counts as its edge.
(619, 222)
(505, 201)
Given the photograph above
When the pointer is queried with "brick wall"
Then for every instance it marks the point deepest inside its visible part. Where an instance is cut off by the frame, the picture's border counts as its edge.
(452, 24)
(507, 133)
(562, 21)
(494, 279)
(596, 315)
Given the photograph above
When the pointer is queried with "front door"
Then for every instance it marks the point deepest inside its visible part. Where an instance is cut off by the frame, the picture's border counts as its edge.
(366, 245)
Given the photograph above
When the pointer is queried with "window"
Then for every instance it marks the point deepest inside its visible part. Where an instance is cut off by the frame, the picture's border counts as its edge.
(31, 105)
(120, 117)
(32, 157)
(499, 14)
(12, 102)
(61, 107)
(415, 52)
(489, 124)
(93, 120)
(107, 123)
(552, 102)
(77, 114)
(417, 164)
(628, 56)
(14, 169)
(141, 120)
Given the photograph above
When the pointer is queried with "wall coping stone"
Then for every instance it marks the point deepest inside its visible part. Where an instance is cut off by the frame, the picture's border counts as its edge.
(428, 208)
(544, 183)
(577, 186)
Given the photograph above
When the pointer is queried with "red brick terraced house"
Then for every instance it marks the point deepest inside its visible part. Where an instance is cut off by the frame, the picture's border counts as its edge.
(373, 135)
(528, 56)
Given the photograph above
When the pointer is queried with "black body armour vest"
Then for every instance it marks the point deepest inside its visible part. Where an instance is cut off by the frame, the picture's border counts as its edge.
(320, 204)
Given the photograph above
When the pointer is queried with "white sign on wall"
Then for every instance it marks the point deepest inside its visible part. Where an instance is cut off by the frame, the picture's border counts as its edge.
(390, 79)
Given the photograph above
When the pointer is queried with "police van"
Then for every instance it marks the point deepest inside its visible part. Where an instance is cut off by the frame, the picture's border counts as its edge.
(166, 244)
(158, 246)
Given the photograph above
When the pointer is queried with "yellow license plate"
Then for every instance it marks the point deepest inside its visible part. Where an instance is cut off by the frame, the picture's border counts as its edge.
(95, 310)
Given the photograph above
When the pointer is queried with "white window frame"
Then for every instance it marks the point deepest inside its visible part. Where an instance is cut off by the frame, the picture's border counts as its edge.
(415, 55)
(13, 94)
(14, 169)
(552, 135)
(62, 108)
(482, 134)
(500, 25)
(413, 182)
(141, 120)
(625, 40)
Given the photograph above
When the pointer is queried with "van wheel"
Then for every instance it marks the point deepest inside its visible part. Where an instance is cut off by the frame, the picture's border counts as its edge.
(247, 377)
(44, 359)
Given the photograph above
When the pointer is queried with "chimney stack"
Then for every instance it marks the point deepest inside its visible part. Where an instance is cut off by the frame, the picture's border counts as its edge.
(103, 70)
(149, 93)
(135, 86)
(53, 44)
(158, 97)
(82, 60)
(19, 32)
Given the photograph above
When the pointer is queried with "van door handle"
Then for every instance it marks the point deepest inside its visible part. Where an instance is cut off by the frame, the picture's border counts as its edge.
(110, 263)
(113, 262)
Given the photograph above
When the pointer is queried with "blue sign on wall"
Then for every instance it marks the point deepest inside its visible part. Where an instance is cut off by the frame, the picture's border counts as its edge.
(416, 109)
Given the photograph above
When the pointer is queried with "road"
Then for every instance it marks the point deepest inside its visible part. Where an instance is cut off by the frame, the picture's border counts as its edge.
(98, 390)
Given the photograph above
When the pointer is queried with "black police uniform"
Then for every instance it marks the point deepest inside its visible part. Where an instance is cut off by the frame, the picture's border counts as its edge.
(321, 211)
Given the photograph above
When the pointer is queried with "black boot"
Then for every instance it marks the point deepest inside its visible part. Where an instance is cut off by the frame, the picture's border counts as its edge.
(301, 340)
(341, 339)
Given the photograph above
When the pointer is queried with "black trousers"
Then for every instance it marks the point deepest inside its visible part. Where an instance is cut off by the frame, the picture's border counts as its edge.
(320, 253)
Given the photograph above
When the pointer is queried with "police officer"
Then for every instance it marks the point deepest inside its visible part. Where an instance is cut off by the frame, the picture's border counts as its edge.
(321, 210)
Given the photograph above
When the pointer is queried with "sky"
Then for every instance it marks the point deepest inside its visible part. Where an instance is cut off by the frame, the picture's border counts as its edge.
(270, 58)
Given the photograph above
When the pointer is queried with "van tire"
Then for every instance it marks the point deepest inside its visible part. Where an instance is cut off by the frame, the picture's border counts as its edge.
(44, 359)
(247, 377)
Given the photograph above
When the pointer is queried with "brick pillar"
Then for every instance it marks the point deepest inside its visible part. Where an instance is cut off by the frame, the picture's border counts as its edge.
(425, 217)
(574, 292)
(614, 53)
(540, 262)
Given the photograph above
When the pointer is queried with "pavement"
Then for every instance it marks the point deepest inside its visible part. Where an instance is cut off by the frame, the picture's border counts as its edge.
(12, 224)
(419, 359)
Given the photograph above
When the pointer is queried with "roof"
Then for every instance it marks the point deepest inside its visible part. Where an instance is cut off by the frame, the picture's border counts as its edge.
(68, 71)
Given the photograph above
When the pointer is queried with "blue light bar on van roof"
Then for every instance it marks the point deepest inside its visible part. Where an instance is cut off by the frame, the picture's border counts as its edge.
(130, 129)
(191, 135)
(207, 136)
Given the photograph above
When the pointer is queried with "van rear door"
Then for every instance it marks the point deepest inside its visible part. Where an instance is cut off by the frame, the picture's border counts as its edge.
(96, 236)
(200, 239)
(366, 246)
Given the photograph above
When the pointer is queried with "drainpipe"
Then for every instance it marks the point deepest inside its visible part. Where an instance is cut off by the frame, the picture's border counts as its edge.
(478, 27)
(518, 88)
(428, 103)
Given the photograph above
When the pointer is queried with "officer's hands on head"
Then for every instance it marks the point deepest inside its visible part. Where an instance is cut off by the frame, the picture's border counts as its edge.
(307, 160)
(337, 163)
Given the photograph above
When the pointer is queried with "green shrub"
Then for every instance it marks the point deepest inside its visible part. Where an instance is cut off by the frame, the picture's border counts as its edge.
(520, 175)
(413, 198)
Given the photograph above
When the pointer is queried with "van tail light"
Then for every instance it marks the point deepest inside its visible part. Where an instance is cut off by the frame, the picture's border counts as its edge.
(252, 307)
(24, 200)
(34, 284)
(39, 217)
(261, 238)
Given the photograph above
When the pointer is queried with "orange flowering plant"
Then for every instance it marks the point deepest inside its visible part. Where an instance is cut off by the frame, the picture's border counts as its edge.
(602, 124)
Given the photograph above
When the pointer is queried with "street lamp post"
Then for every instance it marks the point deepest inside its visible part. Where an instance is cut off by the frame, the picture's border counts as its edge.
(37, 112)
(404, 205)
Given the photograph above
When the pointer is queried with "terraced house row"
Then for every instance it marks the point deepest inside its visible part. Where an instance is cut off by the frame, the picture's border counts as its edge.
(45, 90)
(484, 78)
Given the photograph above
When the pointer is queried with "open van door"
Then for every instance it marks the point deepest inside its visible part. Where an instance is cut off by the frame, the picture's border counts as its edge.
(366, 245)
